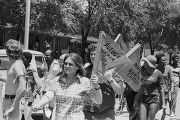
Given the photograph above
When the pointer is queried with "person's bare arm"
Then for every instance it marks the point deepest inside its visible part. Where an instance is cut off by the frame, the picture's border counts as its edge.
(20, 91)
(109, 77)
(95, 92)
(37, 79)
(47, 97)
(19, 70)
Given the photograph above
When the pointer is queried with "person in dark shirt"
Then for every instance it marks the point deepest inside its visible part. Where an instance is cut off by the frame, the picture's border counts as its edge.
(104, 111)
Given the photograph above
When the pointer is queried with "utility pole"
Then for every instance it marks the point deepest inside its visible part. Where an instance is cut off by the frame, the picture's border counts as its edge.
(27, 20)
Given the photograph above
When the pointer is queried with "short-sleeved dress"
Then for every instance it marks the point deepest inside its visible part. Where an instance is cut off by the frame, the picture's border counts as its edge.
(151, 88)
(69, 100)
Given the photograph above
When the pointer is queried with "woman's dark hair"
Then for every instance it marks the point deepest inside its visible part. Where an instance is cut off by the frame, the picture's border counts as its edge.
(14, 49)
(91, 48)
(174, 57)
(78, 62)
(159, 56)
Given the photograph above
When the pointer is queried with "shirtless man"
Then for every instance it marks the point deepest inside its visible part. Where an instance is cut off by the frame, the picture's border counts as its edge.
(15, 84)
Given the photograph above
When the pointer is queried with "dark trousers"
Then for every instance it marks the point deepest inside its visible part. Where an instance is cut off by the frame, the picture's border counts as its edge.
(129, 94)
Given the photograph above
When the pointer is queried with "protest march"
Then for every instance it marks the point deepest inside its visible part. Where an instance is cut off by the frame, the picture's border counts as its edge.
(67, 92)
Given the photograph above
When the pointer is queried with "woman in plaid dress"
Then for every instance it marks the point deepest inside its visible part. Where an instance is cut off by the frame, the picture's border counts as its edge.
(70, 90)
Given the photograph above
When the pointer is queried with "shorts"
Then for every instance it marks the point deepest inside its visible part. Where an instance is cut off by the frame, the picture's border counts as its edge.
(105, 115)
(148, 99)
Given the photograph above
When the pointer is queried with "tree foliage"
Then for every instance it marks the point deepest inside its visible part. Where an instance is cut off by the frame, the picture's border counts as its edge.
(46, 16)
(53, 15)
(154, 21)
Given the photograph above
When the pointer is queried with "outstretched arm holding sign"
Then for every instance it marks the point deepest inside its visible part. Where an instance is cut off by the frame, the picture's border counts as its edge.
(112, 78)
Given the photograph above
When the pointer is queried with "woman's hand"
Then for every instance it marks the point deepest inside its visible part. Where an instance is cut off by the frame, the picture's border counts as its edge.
(6, 114)
(102, 78)
(94, 79)
(35, 108)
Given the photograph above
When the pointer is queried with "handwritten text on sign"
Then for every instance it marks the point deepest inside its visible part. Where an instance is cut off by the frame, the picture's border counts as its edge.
(110, 54)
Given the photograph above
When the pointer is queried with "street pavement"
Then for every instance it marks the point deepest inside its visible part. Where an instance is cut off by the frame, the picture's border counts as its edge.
(124, 115)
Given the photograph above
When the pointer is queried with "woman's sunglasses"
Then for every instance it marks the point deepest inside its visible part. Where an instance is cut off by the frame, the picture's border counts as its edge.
(69, 64)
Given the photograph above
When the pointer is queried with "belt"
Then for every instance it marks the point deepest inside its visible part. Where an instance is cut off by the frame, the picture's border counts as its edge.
(99, 111)
(10, 96)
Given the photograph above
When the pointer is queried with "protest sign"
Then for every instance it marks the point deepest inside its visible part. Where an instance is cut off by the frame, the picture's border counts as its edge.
(97, 65)
(131, 72)
(108, 54)
(119, 40)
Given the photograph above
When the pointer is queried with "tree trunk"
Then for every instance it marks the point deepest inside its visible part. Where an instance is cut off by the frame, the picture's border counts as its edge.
(85, 32)
(150, 44)
(18, 36)
(85, 28)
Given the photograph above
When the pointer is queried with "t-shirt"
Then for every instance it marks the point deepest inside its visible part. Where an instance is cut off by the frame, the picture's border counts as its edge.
(107, 92)
(153, 83)
(107, 103)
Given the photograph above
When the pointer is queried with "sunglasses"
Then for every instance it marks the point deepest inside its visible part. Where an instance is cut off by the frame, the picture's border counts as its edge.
(69, 64)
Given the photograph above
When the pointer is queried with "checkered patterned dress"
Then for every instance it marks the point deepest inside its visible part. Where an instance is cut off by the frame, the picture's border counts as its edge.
(69, 101)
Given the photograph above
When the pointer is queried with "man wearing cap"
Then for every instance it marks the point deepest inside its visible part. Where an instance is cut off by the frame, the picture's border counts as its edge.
(151, 89)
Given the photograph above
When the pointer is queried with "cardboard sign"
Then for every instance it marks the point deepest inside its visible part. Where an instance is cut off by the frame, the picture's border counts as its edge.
(108, 54)
(131, 72)
(119, 40)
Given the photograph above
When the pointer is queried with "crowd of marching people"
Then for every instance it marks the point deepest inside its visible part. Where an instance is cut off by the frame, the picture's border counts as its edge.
(72, 90)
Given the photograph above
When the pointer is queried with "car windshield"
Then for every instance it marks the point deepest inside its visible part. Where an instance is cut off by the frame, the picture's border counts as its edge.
(4, 66)
(39, 60)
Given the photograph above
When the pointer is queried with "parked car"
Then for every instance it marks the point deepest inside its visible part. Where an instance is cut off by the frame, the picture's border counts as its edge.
(39, 58)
